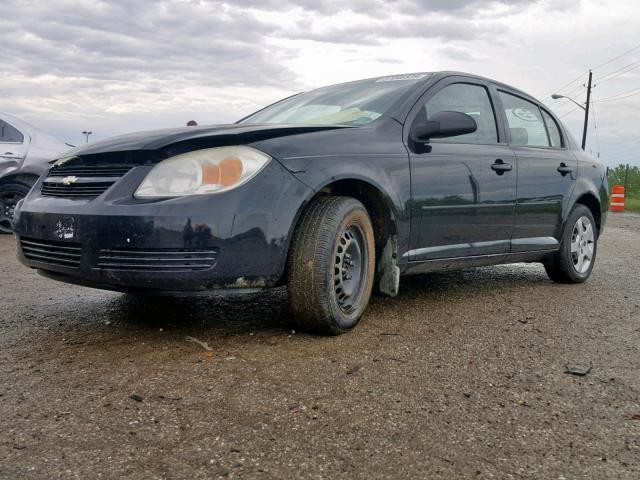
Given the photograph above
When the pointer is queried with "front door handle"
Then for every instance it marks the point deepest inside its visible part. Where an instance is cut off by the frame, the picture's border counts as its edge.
(500, 167)
(563, 169)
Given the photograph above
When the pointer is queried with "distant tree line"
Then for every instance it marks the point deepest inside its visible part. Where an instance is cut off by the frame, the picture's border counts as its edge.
(626, 175)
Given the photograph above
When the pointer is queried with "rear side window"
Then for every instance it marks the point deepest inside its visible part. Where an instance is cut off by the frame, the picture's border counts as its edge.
(472, 100)
(553, 129)
(9, 133)
(525, 122)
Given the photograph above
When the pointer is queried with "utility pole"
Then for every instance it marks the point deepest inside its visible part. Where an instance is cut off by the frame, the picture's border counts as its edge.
(584, 107)
(586, 111)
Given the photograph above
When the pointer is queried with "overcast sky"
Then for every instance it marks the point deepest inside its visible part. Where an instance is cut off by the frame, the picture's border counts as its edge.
(118, 66)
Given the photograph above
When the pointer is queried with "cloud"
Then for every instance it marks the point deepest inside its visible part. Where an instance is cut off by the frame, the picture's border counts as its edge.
(114, 66)
(376, 7)
(463, 54)
(129, 41)
(377, 31)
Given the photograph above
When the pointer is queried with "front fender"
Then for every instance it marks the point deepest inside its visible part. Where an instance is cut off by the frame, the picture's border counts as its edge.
(394, 188)
(375, 156)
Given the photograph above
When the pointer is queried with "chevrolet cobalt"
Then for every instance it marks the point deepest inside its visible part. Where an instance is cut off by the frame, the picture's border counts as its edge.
(335, 193)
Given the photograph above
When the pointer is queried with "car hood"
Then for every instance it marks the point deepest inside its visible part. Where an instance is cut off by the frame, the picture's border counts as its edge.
(204, 135)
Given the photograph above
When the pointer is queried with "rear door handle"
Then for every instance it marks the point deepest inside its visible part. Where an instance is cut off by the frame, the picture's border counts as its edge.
(500, 167)
(9, 155)
(563, 169)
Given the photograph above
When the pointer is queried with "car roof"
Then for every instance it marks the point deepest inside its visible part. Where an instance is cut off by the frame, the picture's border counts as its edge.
(425, 78)
(451, 73)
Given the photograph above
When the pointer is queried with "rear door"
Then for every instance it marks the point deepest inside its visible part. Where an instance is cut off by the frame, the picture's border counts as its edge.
(546, 172)
(462, 188)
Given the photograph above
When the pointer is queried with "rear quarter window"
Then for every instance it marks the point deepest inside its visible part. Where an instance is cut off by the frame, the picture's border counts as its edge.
(554, 131)
(10, 134)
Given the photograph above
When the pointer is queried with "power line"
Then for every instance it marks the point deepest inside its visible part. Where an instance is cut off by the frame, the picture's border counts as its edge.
(619, 97)
(611, 76)
(617, 57)
(569, 93)
(597, 66)
(572, 81)
(558, 90)
(562, 112)
(576, 88)
(570, 111)
(607, 77)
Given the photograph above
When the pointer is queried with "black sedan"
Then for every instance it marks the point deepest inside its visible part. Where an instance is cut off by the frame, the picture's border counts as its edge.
(335, 192)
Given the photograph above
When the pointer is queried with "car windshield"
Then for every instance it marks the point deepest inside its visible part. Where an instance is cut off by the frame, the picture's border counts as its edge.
(355, 103)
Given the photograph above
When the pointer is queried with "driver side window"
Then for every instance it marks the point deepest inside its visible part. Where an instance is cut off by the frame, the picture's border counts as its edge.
(470, 99)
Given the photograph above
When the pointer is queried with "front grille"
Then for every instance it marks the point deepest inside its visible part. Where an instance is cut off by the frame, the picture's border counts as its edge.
(157, 260)
(88, 189)
(55, 253)
(81, 181)
(83, 171)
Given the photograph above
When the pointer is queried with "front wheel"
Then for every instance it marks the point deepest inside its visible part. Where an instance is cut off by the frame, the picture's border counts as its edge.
(331, 265)
(10, 195)
(574, 261)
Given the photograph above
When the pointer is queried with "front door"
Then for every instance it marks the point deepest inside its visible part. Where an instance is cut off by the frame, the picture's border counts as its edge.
(546, 173)
(462, 188)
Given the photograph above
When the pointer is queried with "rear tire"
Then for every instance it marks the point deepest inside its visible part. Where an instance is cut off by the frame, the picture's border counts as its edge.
(10, 195)
(574, 261)
(331, 265)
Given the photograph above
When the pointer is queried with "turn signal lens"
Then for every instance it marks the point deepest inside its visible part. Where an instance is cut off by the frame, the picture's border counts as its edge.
(202, 171)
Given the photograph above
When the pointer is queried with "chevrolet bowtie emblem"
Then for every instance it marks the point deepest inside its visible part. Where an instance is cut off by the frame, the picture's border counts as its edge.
(69, 180)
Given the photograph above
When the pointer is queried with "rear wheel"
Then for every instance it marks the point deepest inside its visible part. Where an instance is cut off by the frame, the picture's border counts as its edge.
(331, 265)
(10, 195)
(574, 261)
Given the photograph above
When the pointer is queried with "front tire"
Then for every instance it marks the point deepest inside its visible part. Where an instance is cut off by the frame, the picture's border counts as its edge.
(574, 261)
(10, 195)
(331, 265)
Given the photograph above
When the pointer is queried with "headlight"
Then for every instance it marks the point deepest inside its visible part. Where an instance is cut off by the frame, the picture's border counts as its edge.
(202, 171)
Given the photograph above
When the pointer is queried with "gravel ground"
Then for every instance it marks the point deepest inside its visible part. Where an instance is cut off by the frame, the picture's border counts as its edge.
(461, 376)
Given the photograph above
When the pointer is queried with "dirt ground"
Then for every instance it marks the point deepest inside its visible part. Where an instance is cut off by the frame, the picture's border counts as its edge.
(461, 376)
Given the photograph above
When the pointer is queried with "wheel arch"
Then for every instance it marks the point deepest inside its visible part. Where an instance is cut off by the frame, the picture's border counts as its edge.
(591, 201)
(384, 219)
(26, 179)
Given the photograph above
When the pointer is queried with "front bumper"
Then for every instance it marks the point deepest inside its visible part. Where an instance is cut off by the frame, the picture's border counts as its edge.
(236, 239)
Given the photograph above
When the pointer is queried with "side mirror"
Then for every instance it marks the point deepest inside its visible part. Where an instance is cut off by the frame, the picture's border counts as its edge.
(442, 125)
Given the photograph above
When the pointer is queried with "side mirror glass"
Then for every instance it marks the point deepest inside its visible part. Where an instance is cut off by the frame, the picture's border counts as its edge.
(442, 125)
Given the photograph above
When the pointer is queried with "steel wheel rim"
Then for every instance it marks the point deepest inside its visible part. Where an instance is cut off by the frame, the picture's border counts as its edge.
(582, 245)
(8, 202)
(350, 268)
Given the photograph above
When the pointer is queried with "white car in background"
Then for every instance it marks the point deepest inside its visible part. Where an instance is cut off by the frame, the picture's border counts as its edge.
(25, 153)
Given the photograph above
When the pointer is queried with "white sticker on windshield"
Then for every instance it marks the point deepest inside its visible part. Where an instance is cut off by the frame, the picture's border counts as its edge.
(400, 78)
